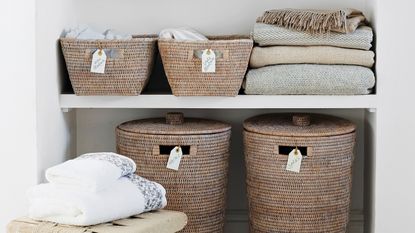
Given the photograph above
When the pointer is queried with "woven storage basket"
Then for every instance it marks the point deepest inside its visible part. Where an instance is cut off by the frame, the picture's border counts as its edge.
(316, 199)
(128, 66)
(182, 64)
(153, 222)
(198, 188)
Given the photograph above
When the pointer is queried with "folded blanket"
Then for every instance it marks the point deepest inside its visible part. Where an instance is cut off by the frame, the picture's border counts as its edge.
(315, 21)
(183, 33)
(306, 79)
(273, 55)
(265, 34)
(128, 196)
(91, 172)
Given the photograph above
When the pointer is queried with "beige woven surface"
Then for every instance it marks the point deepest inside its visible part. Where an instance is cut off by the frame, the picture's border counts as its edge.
(274, 55)
(126, 73)
(313, 201)
(198, 188)
(184, 69)
(162, 221)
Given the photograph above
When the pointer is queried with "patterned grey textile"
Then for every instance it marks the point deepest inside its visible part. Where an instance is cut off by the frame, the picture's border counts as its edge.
(307, 79)
(265, 35)
(126, 165)
(153, 196)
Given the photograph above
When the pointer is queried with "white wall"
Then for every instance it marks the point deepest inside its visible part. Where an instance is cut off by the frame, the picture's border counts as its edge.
(395, 173)
(55, 130)
(18, 164)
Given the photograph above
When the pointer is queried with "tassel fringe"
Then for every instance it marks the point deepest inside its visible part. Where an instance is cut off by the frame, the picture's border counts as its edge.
(311, 21)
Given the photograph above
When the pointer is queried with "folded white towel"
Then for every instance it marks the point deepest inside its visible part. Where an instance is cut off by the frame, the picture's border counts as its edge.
(83, 32)
(183, 33)
(128, 196)
(91, 172)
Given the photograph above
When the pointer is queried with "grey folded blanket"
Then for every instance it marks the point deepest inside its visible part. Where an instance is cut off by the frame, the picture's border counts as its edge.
(273, 55)
(307, 79)
(265, 35)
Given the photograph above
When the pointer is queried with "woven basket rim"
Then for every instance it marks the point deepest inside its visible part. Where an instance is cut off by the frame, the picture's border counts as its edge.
(138, 37)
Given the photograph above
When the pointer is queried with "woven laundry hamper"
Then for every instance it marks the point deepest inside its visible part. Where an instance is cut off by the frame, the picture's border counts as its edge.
(316, 199)
(198, 188)
(183, 67)
(153, 222)
(128, 66)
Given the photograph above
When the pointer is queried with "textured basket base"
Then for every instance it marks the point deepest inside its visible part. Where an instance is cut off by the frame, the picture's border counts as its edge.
(163, 221)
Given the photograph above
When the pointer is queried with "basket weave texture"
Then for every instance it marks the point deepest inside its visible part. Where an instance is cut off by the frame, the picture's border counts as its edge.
(315, 200)
(128, 66)
(184, 69)
(153, 222)
(198, 188)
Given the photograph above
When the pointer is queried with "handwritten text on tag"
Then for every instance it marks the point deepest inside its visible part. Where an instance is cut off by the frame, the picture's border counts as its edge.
(99, 59)
(294, 161)
(208, 61)
(175, 158)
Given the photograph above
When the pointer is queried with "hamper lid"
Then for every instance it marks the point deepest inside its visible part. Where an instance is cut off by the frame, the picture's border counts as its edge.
(299, 124)
(174, 124)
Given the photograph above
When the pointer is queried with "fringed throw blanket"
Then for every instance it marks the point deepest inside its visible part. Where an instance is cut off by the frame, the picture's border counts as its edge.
(273, 55)
(265, 35)
(308, 79)
(315, 21)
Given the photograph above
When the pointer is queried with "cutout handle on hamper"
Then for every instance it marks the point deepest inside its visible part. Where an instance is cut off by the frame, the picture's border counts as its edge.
(285, 150)
(219, 54)
(112, 54)
(165, 150)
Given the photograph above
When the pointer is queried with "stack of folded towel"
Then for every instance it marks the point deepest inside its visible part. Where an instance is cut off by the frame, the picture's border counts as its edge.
(94, 188)
(311, 52)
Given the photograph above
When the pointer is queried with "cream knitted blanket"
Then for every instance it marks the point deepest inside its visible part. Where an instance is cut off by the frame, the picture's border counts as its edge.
(265, 34)
(306, 79)
(264, 56)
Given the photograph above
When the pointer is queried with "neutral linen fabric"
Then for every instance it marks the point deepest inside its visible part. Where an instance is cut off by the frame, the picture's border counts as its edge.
(265, 35)
(91, 172)
(128, 196)
(84, 32)
(264, 56)
(307, 79)
(315, 21)
(184, 33)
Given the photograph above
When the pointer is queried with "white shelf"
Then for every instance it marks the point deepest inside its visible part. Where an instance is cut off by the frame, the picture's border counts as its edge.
(69, 101)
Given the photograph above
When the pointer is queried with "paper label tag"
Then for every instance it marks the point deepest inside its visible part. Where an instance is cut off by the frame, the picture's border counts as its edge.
(99, 59)
(294, 161)
(175, 158)
(208, 61)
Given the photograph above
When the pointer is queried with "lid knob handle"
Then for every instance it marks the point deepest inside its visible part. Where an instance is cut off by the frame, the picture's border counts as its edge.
(174, 118)
(301, 120)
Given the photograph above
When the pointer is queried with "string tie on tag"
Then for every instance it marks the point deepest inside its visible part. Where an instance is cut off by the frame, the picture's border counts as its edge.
(177, 149)
(296, 150)
(100, 48)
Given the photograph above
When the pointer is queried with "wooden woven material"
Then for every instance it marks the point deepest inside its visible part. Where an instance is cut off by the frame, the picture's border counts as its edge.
(198, 188)
(184, 70)
(128, 66)
(153, 222)
(315, 200)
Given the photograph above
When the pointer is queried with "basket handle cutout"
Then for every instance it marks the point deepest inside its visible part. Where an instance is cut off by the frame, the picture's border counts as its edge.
(220, 55)
(285, 150)
(165, 150)
(112, 54)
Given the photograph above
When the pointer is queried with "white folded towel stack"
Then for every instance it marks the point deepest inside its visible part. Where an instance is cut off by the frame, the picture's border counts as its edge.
(78, 196)
(84, 32)
(91, 172)
(183, 33)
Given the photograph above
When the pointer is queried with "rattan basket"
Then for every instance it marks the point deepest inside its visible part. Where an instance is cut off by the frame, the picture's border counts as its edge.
(315, 200)
(182, 64)
(128, 66)
(198, 188)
